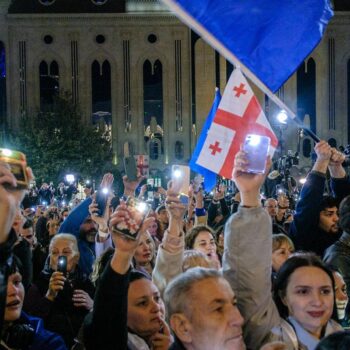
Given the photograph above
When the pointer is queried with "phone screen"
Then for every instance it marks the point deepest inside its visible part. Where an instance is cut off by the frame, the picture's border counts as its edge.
(180, 177)
(62, 264)
(138, 211)
(130, 168)
(101, 200)
(257, 148)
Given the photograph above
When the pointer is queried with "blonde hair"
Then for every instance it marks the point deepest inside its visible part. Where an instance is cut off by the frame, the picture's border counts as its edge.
(279, 239)
(194, 258)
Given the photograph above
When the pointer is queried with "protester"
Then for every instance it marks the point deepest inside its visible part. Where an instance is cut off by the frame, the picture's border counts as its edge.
(128, 311)
(62, 300)
(304, 288)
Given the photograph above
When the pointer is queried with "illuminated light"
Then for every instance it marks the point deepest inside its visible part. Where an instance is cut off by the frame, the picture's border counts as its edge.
(302, 180)
(105, 190)
(70, 178)
(254, 140)
(282, 117)
(177, 173)
(7, 152)
(71, 204)
(63, 203)
(141, 207)
(280, 191)
(87, 182)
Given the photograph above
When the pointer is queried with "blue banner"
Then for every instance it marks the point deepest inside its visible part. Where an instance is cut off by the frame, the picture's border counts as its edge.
(270, 37)
(209, 176)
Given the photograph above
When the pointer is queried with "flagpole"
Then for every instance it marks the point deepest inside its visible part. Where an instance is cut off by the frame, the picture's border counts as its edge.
(238, 64)
(212, 41)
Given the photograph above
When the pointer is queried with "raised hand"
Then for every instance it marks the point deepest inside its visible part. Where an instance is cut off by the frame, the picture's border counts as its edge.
(10, 199)
(248, 183)
(130, 186)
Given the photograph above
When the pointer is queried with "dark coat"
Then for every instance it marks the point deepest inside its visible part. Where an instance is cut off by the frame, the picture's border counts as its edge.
(60, 315)
(43, 339)
(304, 230)
(106, 327)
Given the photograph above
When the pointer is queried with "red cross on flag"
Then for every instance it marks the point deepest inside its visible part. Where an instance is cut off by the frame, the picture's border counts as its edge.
(239, 113)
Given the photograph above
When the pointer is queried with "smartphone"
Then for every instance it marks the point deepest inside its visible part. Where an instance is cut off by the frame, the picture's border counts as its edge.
(257, 148)
(130, 168)
(62, 264)
(150, 185)
(101, 200)
(138, 211)
(180, 177)
(18, 164)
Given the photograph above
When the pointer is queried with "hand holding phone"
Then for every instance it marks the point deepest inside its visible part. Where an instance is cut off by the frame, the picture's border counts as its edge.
(62, 264)
(18, 166)
(101, 200)
(130, 168)
(257, 148)
(180, 177)
(137, 211)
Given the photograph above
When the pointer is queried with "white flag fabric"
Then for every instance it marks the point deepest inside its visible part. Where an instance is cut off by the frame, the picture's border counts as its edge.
(239, 113)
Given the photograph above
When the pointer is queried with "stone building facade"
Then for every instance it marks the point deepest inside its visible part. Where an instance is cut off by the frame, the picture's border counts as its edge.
(134, 66)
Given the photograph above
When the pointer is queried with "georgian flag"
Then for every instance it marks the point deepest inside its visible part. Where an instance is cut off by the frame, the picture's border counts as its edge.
(239, 113)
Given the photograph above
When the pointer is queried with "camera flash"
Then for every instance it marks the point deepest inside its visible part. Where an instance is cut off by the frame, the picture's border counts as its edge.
(177, 173)
(7, 152)
(141, 207)
(254, 140)
(105, 190)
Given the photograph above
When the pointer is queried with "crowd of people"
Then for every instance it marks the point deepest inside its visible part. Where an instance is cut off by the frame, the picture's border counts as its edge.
(243, 273)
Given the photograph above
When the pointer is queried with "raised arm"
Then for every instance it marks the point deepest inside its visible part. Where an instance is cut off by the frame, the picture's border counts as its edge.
(304, 228)
(106, 328)
(247, 256)
(170, 253)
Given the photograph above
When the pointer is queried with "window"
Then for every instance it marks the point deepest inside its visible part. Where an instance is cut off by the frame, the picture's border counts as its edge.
(101, 93)
(153, 92)
(179, 150)
(48, 39)
(49, 84)
(154, 148)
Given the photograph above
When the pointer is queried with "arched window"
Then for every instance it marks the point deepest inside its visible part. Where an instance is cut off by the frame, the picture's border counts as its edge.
(2, 83)
(179, 150)
(306, 92)
(101, 92)
(49, 83)
(153, 92)
(154, 148)
(306, 148)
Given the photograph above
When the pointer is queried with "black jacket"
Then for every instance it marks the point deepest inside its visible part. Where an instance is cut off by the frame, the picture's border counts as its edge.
(338, 255)
(60, 315)
(304, 230)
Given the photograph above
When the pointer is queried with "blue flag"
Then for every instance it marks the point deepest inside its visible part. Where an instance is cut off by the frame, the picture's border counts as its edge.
(270, 37)
(209, 176)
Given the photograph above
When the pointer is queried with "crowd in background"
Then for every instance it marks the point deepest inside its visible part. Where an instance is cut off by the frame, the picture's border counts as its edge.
(226, 270)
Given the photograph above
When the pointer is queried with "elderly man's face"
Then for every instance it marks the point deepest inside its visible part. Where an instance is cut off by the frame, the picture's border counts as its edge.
(271, 206)
(214, 321)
